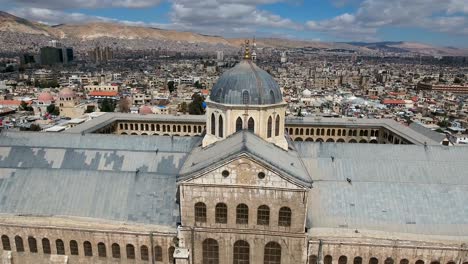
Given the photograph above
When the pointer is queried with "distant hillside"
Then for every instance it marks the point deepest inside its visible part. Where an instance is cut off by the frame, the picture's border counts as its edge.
(28, 34)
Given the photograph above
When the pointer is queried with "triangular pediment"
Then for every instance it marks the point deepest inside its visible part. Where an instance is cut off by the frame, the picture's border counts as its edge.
(240, 149)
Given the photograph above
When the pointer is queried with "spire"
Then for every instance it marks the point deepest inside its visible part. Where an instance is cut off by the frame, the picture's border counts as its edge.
(247, 50)
(254, 50)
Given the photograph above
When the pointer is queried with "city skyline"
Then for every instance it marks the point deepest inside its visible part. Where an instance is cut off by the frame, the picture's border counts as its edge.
(431, 22)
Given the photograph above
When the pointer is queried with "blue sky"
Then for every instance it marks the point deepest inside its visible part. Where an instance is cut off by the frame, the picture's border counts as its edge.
(437, 22)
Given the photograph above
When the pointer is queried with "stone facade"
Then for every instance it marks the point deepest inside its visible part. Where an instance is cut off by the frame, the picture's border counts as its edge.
(267, 120)
(244, 186)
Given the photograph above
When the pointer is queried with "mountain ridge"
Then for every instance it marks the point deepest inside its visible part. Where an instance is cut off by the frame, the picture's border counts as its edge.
(93, 31)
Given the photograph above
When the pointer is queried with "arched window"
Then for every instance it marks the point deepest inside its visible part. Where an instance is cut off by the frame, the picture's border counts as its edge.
(313, 259)
(342, 259)
(242, 214)
(144, 253)
(272, 97)
(327, 259)
(213, 124)
(130, 251)
(101, 248)
(239, 125)
(389, 261)
(277, 126)
(46, 246)
(60, 247)
(435, 262)
(158, 253)
(210, 251)
(251, 125)
(6, 243)
(221, 127)
(419, 262)
(170, 252)
(339, 132)
(241, 252)
(221, 213)
(88, 249)
(373, 261)
(404, 261)
(115, 250)
(245, 97)
(272, 253)
(357, 260)
(32, 243)
(263, 215)
(270, 127)
(74, 247)
(200, 212)
(19, 244)
(284, 218)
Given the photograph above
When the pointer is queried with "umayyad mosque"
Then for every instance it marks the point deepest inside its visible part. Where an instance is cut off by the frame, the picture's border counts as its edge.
(241, 185)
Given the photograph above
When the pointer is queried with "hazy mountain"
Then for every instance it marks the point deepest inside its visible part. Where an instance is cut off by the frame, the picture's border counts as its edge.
(26, 32)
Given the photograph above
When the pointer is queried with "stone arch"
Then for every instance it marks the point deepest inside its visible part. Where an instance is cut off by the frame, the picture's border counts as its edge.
(352, 141)
(213, 124)
(343, 260)
(373, 141)
(389, 260)
(309, 140)
(327, 259)
(220, 127)
(272, 253)
(251, 125)
(144, 134)
(363, 141)
(210, 251)
(298, 139)
(239, 124)
(319, 140)
(404, 261)
(340, 140)
(419, 262)
(277, 126)
(123, 133)
(330, 140)
(269, 127)
(357, 260)
(241, 252)
(313, 259)
(373, 260)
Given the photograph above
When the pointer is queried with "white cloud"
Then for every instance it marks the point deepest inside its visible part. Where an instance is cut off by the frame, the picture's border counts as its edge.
(65, 4)
(372, 15)
(222, 16)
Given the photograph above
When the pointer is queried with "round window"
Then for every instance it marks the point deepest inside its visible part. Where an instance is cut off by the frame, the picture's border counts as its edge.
(225, 173)
(261, 175)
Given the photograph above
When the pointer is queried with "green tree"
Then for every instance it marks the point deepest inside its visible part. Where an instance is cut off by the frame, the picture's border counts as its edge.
(197, 85)
(25, 106)
(196, 106)
(35, 127)
(107, 105)
(171, 86)
(183, 107)
(53, 110)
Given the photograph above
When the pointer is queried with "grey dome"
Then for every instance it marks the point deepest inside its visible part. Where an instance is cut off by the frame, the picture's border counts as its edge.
(246, 83)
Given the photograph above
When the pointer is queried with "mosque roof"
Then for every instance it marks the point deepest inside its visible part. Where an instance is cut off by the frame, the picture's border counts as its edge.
(393, 188)
(246, 83)
(120, 178)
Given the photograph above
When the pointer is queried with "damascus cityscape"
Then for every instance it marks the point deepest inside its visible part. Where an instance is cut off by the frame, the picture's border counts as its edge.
(234, 131)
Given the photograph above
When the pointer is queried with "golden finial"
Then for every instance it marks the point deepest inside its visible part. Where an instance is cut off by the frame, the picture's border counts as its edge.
(247, 50)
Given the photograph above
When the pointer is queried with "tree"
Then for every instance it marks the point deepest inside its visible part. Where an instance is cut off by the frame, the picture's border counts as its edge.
(198, 85)
(171, 86)
(25, 106)
(53, 110)
(183, 107)
(124, 105)
(196, 106)
(107, 105)
(35, 127)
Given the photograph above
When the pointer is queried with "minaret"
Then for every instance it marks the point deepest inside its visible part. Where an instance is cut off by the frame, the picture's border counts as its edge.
(254, 51)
